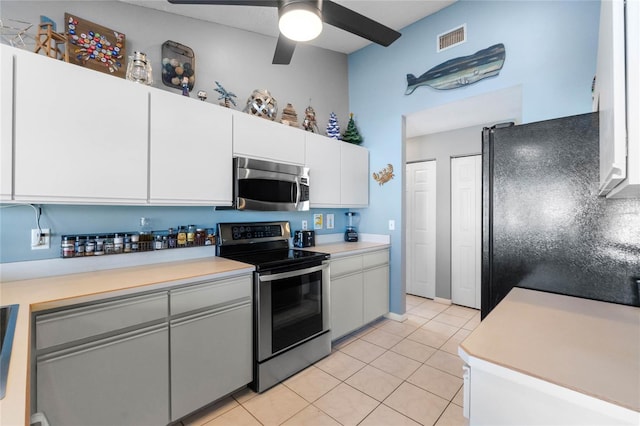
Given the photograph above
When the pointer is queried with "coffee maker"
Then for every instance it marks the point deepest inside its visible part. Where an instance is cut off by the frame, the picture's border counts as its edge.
(351, 233)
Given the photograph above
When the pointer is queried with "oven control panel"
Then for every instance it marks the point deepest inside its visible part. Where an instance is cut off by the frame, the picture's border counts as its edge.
(251, 232)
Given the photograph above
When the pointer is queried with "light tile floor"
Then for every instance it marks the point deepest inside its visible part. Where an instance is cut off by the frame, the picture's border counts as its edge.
(386, 374)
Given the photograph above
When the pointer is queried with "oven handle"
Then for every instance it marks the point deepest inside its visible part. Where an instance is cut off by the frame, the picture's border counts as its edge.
(296, 273)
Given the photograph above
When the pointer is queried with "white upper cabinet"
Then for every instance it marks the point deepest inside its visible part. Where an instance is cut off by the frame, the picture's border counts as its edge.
(338, 173)
(6, 122)
(354, 181)
(616, 98)
(323, 161)
(190, 151)
(263, 139)
(80, 135)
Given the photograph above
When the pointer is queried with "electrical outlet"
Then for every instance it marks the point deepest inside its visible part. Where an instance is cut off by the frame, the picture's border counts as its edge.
(392, 225)
(305, 225)
(40, 239)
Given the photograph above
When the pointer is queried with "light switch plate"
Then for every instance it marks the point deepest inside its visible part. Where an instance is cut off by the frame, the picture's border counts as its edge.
(392, 225)
(330, 220)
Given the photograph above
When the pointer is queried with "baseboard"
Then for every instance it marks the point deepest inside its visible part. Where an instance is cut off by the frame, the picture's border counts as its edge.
(396, 317)
(443, 301)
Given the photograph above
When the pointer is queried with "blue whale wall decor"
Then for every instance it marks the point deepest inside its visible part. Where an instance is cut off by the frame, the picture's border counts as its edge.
(461, 71)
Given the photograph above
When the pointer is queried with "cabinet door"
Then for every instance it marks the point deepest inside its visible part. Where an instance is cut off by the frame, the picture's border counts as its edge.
(6, 123)
(375, 288)
(346, 305)
(267, 140)
(80, 135)
(211, 356)
(117, 381)
(610, 94)
(323, 161)
(190, 152)
(354, 182)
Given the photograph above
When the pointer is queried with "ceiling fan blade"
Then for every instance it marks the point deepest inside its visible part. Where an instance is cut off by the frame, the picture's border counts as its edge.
(284, 51)
(270, 3)
(355, 23)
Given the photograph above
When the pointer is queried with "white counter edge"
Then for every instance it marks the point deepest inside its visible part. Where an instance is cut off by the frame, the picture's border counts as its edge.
(622, 414)
(17, 271)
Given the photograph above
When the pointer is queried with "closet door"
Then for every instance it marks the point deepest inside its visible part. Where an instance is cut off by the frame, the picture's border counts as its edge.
(421, 228)
(466, 229)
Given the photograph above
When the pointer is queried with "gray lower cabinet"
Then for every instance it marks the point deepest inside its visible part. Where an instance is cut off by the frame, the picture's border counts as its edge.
(346, 304)
(359, 290)
(120, 380)
(211, 344)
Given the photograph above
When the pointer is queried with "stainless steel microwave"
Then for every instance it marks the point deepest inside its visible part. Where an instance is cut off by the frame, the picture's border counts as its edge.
(270, 186)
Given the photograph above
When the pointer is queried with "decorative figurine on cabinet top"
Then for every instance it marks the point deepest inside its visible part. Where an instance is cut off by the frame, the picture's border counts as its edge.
(309, 123)
(178, 63)
(289, 116)
(226, 96)
(202, 95)
(333, 128)
(95, 47)
(262, 104)
(352, 135)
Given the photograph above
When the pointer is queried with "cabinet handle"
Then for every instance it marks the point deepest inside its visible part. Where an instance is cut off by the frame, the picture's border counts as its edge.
(466, 390)
(244, 303)
(87, 347)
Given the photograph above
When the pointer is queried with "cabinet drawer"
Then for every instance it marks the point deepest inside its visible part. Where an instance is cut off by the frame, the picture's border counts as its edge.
(209, 293)
(72, 324)
(346, 265)
(377, 258)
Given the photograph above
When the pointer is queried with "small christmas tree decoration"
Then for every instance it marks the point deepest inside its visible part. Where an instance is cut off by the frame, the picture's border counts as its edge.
(333, 129)
(352, 135)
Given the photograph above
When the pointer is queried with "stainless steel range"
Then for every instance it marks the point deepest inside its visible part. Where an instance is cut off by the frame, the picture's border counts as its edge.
(291, 298)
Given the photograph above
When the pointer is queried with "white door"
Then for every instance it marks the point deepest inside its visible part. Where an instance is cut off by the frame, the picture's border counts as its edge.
(466, 227)
(421, 228)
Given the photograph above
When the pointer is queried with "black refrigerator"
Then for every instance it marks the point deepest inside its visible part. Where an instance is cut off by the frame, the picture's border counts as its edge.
(544, 227)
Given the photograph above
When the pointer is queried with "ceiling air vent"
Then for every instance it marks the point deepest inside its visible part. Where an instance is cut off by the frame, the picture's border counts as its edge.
(452, 38)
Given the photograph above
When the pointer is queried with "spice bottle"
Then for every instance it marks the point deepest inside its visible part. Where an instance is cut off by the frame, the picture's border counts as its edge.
(127, 244)
(99, 246)
(182, 237)
(146, 236)
(158, 243)
(67, 246)
(135, 242)
(89, 247)
(79, 247)
(109, 246)
(211, 238)
(118, 244)
(172, 238)
(201, 236)
(191, 235)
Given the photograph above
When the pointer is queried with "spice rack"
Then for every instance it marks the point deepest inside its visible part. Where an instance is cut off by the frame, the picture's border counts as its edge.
(102, 244)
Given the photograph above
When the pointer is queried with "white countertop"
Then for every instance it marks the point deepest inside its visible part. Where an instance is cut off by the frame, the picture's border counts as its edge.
(584, 345)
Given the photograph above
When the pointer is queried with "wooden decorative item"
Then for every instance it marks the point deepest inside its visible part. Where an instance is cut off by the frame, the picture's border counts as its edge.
(289, 116)
(384, 175)
(49, 41)
(96, 47)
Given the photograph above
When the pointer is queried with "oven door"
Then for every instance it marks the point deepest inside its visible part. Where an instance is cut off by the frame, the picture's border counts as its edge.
(267, 186)
(292, 307)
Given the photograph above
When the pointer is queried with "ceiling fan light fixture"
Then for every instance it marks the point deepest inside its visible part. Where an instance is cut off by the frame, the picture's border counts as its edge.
(300, 21)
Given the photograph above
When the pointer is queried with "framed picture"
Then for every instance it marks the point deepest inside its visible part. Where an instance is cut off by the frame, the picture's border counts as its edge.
(96, 47)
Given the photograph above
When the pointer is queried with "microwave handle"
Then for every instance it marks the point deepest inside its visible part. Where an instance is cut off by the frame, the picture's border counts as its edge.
(296, 194)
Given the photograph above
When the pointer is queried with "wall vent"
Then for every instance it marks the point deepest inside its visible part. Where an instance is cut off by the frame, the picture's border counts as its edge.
(452, 38)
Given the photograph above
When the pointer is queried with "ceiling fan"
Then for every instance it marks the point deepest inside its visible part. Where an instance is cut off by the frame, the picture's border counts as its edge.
(301, 20)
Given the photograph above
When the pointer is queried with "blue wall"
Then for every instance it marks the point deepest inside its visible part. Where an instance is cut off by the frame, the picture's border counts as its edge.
(16, 222)
(551, 49)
